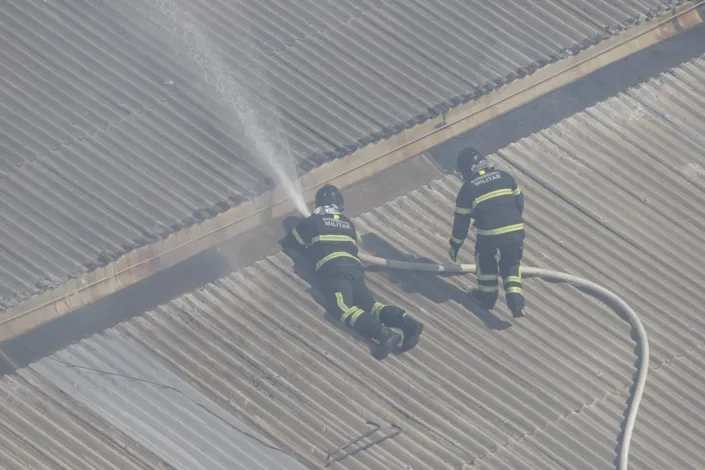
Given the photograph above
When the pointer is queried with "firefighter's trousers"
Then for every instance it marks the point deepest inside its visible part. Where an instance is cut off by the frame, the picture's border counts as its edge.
(509, 269)
(349, 300)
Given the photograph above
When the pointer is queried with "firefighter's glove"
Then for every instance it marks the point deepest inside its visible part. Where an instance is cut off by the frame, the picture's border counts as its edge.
(453, 251)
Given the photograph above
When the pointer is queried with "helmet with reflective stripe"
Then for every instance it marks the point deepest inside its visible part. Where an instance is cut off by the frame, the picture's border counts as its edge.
(468, 158)
(329, 195)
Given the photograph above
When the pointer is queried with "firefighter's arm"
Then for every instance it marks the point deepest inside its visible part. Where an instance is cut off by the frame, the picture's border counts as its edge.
(356, 236)
(461, 221)
(300, 236)
(518, 195)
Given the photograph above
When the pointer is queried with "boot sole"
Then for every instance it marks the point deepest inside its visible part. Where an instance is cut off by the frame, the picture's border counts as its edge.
(385, 348)
(520, 314)
(412, 340)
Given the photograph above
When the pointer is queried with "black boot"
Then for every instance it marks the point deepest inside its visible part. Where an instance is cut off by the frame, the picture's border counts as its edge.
(387, 340)
(516, 305)
(518, 312)
(479, 297)
(412, 331)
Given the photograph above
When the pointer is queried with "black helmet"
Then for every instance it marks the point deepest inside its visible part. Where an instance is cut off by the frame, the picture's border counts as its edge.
(329, 195)
(467, 158)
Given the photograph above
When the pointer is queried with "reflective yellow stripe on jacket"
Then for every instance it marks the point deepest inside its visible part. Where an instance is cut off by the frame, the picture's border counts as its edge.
(333, 238)
(298, 237)
(486, 197)
(491, 195)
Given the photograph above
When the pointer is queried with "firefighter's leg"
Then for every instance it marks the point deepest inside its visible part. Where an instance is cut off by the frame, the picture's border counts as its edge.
(510, 270)
(389, 315)
(486, 273)
(361, 320)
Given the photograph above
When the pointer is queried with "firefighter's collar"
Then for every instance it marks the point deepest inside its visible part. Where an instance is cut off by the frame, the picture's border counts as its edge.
(327, 210)
(481, 166)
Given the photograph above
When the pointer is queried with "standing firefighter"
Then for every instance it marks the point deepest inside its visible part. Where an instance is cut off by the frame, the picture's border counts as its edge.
(330, 240)
(494, 200)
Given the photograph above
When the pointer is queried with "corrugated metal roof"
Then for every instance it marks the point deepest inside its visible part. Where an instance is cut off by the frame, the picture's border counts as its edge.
(614, 194)
(154, 418)
(42, 428)
(109, 141)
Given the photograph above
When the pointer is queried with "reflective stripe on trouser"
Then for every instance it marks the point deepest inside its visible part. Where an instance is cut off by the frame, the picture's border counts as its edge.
(348, 314)
(351, 303)
(486, 273)
(353, 316)
(510, 270)
(376, 309)
(501, 230)
(390, 315)
(513, 288)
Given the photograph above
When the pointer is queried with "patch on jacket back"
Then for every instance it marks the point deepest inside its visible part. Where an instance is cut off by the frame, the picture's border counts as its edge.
(486, 178)
(335, 221)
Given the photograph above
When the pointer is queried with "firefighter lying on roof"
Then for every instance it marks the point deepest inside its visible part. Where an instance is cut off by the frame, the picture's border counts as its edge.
(494, 200)
(329, 239)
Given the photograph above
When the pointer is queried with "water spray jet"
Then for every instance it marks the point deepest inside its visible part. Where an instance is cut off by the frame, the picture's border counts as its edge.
(258, 120)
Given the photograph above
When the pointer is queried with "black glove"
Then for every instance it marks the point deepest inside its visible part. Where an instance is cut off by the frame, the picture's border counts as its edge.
(454, 249)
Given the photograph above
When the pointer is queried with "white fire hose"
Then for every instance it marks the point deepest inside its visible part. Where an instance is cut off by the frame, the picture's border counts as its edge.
(563, 277)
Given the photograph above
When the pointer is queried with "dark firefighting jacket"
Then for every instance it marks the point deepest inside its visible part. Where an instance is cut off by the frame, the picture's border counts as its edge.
(493, 198)
(329, 238)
